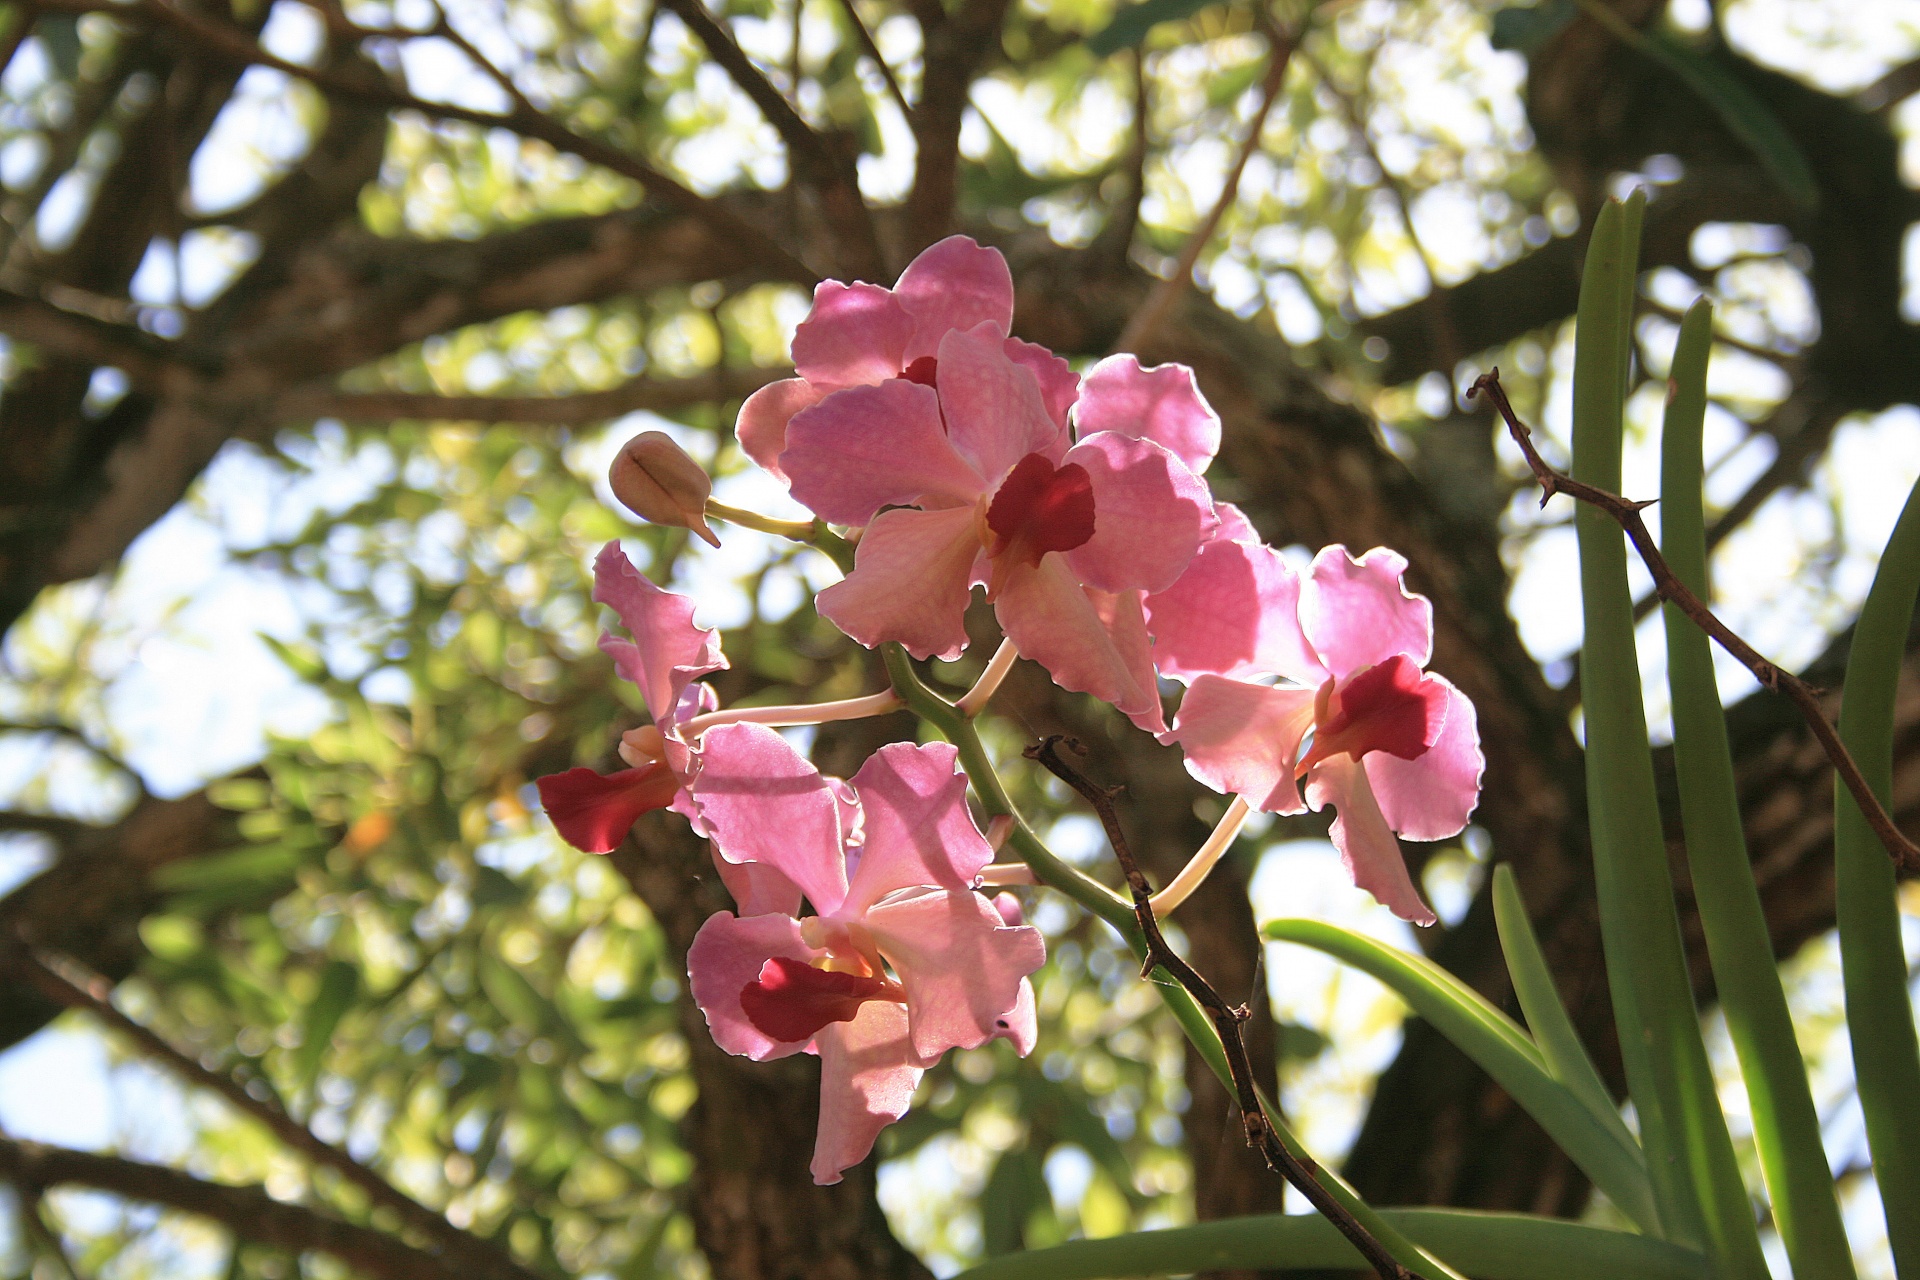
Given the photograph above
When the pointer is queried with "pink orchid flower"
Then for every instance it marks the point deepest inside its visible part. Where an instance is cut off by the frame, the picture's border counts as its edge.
(860, 335)
(971, 480)
(593, 812)
(1394, 748)
(902, 961)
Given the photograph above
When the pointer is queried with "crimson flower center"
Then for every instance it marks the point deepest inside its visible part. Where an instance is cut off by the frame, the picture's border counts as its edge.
(922, 371)
(1040, 508)
(1391, 707)
(791, 1000)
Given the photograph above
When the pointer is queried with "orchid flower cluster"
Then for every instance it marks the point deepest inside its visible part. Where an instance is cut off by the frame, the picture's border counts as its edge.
(955, 457)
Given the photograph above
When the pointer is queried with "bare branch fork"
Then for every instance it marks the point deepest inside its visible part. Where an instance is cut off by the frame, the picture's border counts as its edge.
(461, 1250)
(1227, 1019)
(1667, 586)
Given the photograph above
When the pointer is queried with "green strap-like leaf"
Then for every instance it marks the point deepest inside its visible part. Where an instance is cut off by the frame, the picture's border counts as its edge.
(1502, 1049)
(1553, 1032)
(1786, 1128)
(1131, 24)
(1490, 1246)
(1689, 1154)
(1886, 1054)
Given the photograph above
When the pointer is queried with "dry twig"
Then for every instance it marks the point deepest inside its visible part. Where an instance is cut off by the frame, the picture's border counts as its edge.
(1667, 586)
(1227, 1019)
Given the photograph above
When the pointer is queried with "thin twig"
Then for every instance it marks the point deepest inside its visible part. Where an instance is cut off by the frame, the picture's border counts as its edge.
(660, 395)
(1147, 320)
(32, 1202)
(872, 50)
(1667, 585)
(91, 994)
(1227, 1019)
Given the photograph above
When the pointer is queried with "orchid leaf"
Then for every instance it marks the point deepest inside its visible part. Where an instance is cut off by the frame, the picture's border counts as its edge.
(1886, 1052)
(1786, 1128)
(1501, 1048)
(1490, 1246)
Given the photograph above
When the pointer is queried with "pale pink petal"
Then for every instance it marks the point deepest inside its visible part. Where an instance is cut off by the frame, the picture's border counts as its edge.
(593, 812)
(1123, 614)
(868, 1072)
(1149, 514)
(959, 962)
(1234, 612)
(954, 284)
(871, 447)
(912, 575)
(1357, 612)
(1365, 842)
(757, 889)
(856, 335)
(726, 955)
(1244, 739)
(1234, 525)
(1161, 404)
(667, 650)
(918, 829)
(763, 802)
(1052, 620)
(762, 426)
(1431, 796)
(1059, 384)
(1021, 1025)
(994, 412)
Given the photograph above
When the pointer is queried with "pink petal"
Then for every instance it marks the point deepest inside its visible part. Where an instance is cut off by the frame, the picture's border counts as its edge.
(994, 412)
(871, 447)
(961, 965)
(1244, 739)
(791, 1000)
(1149, 514)
(1234, 612)
(727, 954)
(912, 576)
(1021, 1025)
(1059, 384)
(1234, 525)
(1123, 614)
(764, 803)
(1357, 612)
(762, 425)
(954, 284)
(1161, 404)
(918, 829)
(1057, 623)
(856, 335)
(868, 1073)
(1430, 798)
(667, 650)
(1365, 842)
(594, 812)
(757, 889)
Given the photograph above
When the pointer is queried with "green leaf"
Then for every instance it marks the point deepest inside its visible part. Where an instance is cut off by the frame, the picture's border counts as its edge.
(1016, 1187)
(1522, 30)
(1886, 1052)
(1130, 25)
(1559, 1044)
(1491, 1246)
(1502, 1050)
(1700, 1195)
(301, 659)
(1745, 116)
(1786, 1128)
(339, 984)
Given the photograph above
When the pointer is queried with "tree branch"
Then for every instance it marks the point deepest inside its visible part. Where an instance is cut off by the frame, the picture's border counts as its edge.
(1227, 1019)
(93, 995)
(1905, 854)
(660, 395)
(872, 50)
(226, 42)
(246, 1211)
(953, 47)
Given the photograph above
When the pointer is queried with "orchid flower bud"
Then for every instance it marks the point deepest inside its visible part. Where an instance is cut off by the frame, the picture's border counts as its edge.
(656, 480)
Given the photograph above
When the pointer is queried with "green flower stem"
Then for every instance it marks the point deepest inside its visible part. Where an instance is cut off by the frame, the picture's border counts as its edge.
(1886, 1052)
(814, 533)
(1786, 1128)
